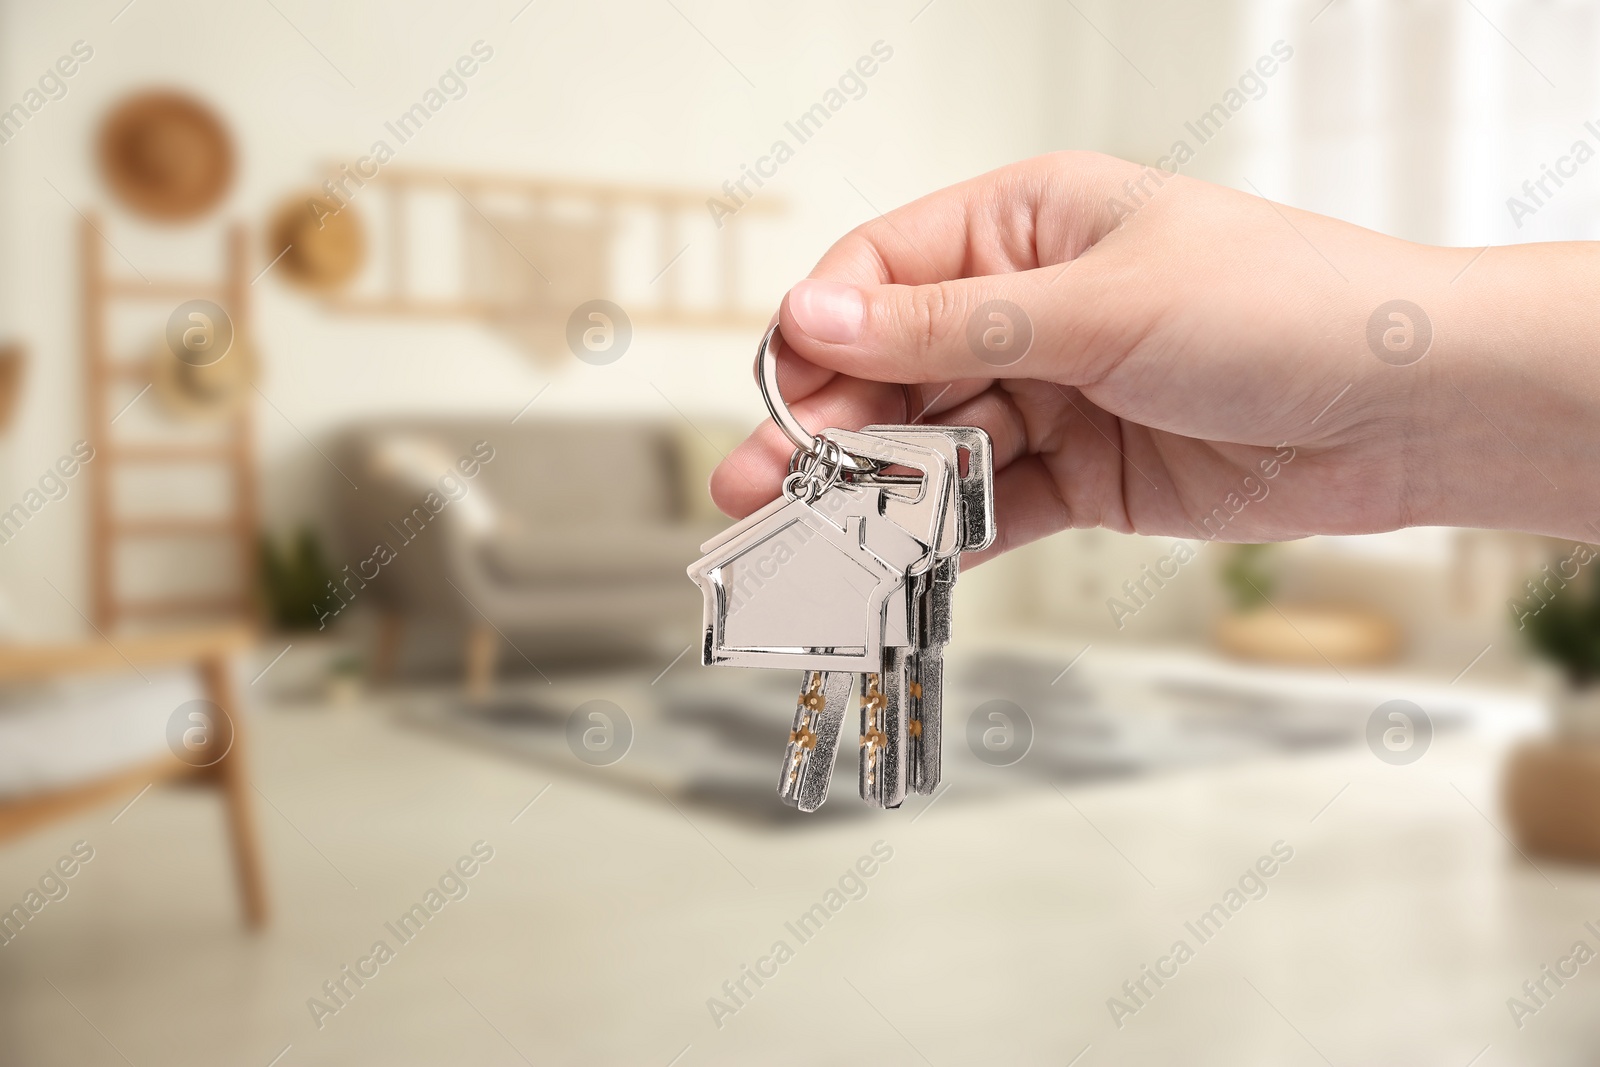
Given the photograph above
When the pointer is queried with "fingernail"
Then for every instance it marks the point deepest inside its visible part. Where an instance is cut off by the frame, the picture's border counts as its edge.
(827, 311)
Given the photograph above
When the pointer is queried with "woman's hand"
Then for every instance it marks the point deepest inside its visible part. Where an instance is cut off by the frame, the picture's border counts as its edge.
(1203, 363)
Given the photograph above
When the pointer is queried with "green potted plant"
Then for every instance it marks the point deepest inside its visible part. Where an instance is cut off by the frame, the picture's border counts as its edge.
(1559, 618)
(1552, 784)
(1248, 577)
(296, 587)
(294, 579)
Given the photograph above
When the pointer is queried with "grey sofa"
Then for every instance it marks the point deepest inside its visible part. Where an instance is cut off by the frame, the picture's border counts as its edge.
(573, 531)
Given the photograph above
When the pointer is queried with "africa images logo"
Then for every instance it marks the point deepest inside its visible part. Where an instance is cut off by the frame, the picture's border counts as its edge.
(1399, 332)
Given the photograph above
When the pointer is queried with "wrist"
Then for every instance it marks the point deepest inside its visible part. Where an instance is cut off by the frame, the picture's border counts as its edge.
(1508, 397)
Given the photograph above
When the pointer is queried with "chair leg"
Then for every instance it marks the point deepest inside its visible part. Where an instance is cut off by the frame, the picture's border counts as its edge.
(391, 632)
(232, 778)
(483, 644)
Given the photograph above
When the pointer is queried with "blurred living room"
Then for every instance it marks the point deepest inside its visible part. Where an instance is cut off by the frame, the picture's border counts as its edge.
(362, 368)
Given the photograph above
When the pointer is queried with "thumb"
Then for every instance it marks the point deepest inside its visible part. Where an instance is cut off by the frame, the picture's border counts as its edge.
(1019, 325)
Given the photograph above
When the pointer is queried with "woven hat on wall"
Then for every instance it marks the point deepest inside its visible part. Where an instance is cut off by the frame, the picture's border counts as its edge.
(12, 360)
(200, 392)
(166, 155)
(325, 244)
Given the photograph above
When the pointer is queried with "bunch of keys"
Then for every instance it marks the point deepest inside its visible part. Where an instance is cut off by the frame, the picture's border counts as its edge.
(849, 574)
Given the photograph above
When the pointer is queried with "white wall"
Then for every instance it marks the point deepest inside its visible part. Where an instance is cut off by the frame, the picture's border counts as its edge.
(625, 91)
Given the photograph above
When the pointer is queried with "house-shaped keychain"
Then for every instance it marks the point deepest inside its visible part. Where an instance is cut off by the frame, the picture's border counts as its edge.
(821, 584)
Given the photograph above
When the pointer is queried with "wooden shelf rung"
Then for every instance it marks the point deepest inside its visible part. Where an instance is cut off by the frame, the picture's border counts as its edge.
(131, 369)
(688, 200)
(176, 527)
(134, 289)
(171, 453)
(166, 606)
(413, 306)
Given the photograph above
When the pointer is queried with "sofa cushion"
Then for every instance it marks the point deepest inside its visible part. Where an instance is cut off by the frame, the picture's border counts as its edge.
(570, 472)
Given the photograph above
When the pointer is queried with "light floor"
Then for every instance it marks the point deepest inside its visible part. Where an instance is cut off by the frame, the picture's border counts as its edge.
(995, 934)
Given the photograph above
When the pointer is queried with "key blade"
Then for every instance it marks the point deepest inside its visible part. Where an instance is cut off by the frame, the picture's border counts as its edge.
(925, 673)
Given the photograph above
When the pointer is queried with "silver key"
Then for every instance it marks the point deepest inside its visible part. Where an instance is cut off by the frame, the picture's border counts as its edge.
(975, 488)
(971, 527)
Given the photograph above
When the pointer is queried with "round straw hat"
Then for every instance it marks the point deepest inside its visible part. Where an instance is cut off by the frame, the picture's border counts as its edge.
(326, 245)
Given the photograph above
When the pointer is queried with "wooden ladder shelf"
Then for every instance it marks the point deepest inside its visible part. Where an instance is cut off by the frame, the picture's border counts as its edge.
(108, 384)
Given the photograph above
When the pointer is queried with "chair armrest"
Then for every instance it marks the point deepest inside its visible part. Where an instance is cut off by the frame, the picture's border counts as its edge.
(22, 661)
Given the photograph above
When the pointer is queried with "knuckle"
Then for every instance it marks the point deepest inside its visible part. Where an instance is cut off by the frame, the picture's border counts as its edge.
(1078, 161)
(1073, 157)
(930, 309)
(858, 243)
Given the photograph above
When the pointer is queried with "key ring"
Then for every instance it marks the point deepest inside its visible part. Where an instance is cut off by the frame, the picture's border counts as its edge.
(816, 473)
(811, 444)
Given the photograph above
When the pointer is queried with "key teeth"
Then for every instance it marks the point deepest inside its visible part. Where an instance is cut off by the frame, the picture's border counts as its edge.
(883, 732)
(808, 758)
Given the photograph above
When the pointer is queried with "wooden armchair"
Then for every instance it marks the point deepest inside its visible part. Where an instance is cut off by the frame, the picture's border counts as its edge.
(208, 652)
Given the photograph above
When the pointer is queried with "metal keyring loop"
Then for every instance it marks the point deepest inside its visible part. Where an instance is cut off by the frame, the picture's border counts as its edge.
(814, 472)
(811, 444)
(796, 486)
